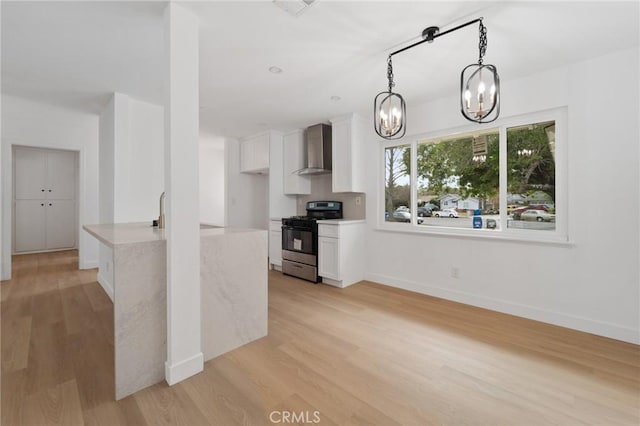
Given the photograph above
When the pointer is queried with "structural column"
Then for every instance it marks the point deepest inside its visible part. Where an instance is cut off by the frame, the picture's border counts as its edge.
(184, 352)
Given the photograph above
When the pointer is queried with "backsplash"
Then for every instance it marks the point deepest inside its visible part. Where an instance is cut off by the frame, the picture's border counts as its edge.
(321, 191)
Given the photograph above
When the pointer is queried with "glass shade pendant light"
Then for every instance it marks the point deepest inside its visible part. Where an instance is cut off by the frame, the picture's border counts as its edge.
(390, 110)
(480, 87)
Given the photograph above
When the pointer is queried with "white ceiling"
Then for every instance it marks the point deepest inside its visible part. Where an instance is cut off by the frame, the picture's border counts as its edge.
(77, 53)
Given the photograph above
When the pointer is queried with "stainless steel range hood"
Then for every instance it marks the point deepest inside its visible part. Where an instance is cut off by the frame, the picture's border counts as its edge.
(318, 150)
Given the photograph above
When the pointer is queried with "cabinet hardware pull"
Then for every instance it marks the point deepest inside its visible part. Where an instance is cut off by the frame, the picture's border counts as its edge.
(50, 204)
(42, 204)
(42, 190)
(49, 190)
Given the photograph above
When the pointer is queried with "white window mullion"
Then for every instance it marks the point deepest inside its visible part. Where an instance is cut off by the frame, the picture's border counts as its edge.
(414, 185)
(502, 180)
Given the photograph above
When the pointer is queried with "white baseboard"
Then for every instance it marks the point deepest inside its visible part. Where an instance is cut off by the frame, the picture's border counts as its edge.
(276, 267)
(89, 264)
(184, 369)
(106, 285)
(587, 325)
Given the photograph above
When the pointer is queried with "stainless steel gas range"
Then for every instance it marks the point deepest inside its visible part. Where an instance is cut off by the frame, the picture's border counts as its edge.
(300, 239)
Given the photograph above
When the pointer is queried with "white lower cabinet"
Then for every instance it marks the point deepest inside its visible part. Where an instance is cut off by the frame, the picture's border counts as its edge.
(329, 258)
(341, 252)
(275, 244)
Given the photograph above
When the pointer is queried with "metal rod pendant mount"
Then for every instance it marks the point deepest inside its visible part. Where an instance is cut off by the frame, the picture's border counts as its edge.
(479, 88)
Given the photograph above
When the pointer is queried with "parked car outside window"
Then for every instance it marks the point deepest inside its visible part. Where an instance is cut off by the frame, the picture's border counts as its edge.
(518, 212)
(424, 212)
(401, 215)
(446, 213)
(538, 215)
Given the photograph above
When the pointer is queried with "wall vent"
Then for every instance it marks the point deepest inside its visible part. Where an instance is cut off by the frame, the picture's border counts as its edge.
(294, 7)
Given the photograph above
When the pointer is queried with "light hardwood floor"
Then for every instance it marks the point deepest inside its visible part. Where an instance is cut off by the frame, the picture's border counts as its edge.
(368, 354)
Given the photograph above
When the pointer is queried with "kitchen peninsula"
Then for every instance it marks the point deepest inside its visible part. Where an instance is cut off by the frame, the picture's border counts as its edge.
(233, 289)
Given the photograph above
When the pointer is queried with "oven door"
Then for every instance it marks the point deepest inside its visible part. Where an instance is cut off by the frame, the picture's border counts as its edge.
(299, 245)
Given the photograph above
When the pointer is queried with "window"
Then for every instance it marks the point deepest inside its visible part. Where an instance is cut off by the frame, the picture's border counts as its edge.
(531, 176)
(457, 176)
(499, 180)
(397, 191)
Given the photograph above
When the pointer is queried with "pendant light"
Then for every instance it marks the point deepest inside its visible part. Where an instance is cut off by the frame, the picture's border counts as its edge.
(390, 110)
(479, 89)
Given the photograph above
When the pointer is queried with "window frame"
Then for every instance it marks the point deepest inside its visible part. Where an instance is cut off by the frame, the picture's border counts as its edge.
(560, 235)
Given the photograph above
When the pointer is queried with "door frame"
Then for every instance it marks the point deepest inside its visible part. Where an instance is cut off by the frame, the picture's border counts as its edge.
(6, 221)
(13, 199)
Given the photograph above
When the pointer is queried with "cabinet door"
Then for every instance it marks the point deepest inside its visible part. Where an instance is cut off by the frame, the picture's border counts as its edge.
(254, 154)
(261, 148)
(30, 224)
(246, 156)
(61, 175)
(294, 159)
(329, 258)
(341, 134)
(61, 219)
(29, 174)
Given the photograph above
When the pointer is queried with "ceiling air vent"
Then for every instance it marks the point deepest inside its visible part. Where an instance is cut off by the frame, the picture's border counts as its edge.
(294, 7)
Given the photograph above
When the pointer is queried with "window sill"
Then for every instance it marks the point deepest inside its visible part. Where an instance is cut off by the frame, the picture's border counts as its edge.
(510, 235)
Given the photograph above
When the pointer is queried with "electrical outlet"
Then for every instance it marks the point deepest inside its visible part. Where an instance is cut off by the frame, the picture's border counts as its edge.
(358, 201)
(455, 272)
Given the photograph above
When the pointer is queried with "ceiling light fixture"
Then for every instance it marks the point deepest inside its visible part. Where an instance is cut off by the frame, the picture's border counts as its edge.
(479, 89)
(294, 7)
(275, 70)
(335, 98)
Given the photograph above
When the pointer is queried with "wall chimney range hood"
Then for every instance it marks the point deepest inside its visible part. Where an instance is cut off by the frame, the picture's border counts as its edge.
(318, 150)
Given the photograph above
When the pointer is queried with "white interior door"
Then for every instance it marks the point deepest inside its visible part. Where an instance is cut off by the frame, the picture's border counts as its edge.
(30, 225)
(30, 174)
(61, 222)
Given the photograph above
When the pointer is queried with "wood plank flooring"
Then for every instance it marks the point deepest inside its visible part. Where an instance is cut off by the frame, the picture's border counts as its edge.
(368, 354)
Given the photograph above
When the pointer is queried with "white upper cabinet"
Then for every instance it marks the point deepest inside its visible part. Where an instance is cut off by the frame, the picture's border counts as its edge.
(295, 159)
(348, 154)
(280, 204)
(254, 154)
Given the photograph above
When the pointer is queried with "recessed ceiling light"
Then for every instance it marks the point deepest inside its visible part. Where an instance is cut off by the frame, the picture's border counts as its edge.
(275, 70)
(335, 98)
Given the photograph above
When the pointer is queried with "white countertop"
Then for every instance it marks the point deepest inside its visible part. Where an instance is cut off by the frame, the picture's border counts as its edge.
(113, 234)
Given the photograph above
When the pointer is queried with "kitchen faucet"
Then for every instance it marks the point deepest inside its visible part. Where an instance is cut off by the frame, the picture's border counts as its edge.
(161, 217)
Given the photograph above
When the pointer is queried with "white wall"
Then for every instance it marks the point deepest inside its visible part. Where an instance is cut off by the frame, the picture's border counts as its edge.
(145, 160)
(2, 248)
(247, 194)
(212, 199)
(29, 123)
(131, 168)
(591, 284)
